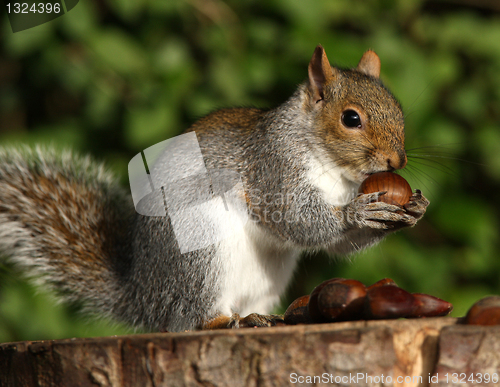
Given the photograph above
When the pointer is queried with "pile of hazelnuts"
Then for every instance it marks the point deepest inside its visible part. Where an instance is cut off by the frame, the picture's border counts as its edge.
(340, 299)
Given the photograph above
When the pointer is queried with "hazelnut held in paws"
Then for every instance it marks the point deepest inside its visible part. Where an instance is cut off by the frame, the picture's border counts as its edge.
(396, 188)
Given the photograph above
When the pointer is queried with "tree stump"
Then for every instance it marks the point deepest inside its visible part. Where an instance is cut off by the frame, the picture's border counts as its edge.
(420, 352)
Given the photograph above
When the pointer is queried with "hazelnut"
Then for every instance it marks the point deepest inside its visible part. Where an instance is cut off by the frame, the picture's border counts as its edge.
(430, 306)
(342, 300)
(398, 191)
(385, 302)
(382, 282)
(297, 312)
(484, 312)
(313, 308)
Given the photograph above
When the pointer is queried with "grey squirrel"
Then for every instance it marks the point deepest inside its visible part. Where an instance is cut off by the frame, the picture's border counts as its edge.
(66, 220)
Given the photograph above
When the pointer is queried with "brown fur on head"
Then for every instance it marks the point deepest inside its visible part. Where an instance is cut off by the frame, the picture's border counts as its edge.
(358, 120)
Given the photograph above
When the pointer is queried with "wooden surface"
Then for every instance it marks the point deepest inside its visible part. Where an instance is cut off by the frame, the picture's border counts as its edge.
(391, 353)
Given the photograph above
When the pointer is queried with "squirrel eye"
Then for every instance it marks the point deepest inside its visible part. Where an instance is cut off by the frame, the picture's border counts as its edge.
(351, 119)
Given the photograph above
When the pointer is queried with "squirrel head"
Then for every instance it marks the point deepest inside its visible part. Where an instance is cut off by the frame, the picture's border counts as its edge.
(357, 120)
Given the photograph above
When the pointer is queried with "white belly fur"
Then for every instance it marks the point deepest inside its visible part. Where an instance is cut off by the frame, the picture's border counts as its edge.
(257, 268)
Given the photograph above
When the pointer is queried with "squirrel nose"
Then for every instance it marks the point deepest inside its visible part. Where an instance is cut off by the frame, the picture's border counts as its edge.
(397, 161)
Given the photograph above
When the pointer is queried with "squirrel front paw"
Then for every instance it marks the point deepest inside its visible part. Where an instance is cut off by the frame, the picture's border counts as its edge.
(365, 211)
(417, 205)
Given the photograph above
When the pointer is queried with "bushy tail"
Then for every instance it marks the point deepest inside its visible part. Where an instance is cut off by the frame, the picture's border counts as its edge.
(63, 219)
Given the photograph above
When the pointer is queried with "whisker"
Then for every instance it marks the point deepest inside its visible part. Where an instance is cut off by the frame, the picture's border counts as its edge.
(419, 182)
(428, 156)
(436, 146)
(433, 164)
(425, 174)
(438, 152)
(419, 95)
(422, 183)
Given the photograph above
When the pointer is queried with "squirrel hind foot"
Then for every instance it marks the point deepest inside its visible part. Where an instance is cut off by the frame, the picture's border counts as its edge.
(253, 320)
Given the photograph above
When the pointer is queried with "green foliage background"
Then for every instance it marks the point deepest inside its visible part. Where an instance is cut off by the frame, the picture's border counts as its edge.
(113, 77)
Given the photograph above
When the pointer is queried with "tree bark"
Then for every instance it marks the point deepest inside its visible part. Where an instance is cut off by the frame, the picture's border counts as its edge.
(419, 352)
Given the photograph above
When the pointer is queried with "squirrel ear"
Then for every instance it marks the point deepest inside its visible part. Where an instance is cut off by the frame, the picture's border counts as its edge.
(320, 72)
(369, 64)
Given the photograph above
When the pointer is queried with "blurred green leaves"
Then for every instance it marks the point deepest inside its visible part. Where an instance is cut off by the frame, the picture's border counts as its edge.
(114, 77)
(117, 51)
